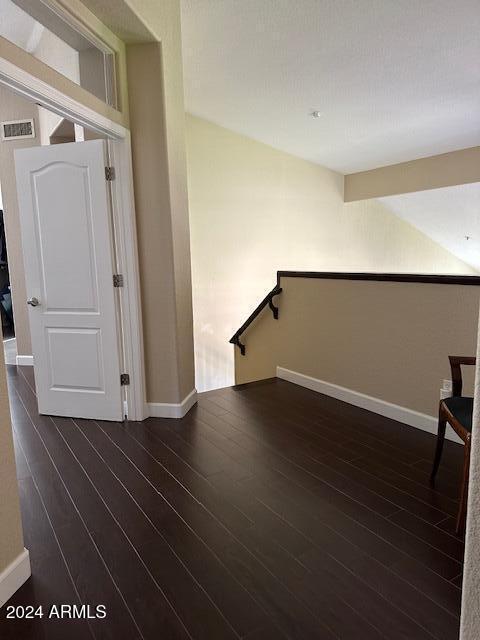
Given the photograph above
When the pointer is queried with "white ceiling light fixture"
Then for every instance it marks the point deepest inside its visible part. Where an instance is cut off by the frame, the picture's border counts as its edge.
(316, 114)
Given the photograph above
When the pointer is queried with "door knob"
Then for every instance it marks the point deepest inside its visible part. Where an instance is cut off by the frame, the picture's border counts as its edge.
(33, 302)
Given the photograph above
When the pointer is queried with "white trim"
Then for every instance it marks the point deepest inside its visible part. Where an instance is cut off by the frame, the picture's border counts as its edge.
(164, 410)
(32, 88)
(125, 232)
(24, 361)
(109, 53)
(389, 410)
(13, 576)
(77, 25)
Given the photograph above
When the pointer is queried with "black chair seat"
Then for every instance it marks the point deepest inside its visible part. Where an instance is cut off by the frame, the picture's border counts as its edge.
(462, 409)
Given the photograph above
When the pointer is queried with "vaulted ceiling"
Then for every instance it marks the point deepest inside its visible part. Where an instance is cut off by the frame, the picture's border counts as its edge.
(393, 80)
(450, 216)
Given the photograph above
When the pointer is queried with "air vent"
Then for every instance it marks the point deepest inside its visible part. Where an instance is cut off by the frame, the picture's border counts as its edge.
(14, 129)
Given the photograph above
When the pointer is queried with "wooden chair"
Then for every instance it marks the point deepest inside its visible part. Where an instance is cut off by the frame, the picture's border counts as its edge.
(458, 412)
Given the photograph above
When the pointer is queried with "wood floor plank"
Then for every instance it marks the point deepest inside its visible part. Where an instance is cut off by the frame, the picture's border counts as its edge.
(448, 544)
(421, 492)
(450, 525)
(95, 585)
(267, 590)
(124, 566)
(421, 501)
(339, 581)
(368, 578)
(458, 581)
(403, 438)
(444, 489)
(174, 543)
(273, 527)
(443, 592)
(447, 472)
(45, 560)
(268, 511)
(282, 425)
(309, 421)
(323, 477)
(191, 602)
(382, 530)
(315, 420)
(342, 584)
(346, 542)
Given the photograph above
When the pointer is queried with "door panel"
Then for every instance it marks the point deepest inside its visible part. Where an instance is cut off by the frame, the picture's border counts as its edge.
(68, 255)
(82, 346)
(76, 287)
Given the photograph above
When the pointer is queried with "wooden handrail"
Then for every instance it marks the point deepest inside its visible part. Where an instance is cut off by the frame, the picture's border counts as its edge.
(381, 277)
(341, 275)
(268, 300)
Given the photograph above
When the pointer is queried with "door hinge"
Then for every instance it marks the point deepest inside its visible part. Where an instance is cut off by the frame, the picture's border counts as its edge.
(117, 280)
(124, 379)
(109, 173)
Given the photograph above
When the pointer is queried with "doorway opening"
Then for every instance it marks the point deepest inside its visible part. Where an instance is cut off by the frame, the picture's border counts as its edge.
(6, 307)
(59, 229)
(57, 133)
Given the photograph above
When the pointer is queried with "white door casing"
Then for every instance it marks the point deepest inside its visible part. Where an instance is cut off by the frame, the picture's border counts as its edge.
(66, 227)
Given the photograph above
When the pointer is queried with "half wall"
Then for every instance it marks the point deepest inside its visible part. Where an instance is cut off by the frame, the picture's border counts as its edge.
(389, 340)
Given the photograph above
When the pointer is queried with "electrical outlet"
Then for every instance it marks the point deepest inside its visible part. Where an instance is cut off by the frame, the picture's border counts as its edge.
(447, 385)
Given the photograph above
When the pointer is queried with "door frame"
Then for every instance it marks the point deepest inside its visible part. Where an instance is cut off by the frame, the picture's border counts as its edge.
(123, 207)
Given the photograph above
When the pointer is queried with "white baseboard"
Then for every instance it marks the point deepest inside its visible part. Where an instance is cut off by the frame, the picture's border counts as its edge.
(25, 361)
(13, 576)
(394, 411)
(165, 410)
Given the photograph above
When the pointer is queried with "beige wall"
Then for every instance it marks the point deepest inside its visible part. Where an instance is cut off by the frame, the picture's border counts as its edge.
(445, 170)
(254, 210)
(163, 308)
(13, 107)
(387, 340)
(11, 537)
(163, 19)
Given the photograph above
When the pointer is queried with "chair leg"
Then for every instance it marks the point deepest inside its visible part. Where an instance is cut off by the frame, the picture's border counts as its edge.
(442, 425)
(462, 508)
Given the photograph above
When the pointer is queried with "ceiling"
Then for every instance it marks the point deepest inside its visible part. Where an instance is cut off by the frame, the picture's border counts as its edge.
(394, 80)
(446, 216)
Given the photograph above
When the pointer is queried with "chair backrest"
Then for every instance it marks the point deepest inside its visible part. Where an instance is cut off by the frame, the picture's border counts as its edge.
(455, 366)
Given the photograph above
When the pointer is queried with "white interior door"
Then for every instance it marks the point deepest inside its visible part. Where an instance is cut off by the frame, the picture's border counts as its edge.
(69, 264)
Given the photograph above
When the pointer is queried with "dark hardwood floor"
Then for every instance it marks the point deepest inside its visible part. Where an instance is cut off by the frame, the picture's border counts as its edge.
(268, 512)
